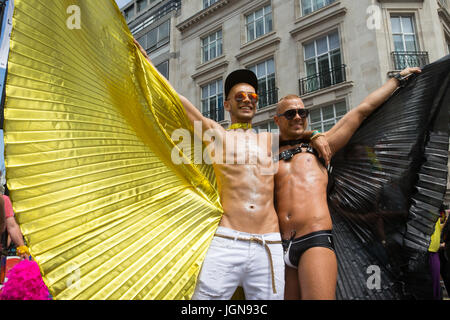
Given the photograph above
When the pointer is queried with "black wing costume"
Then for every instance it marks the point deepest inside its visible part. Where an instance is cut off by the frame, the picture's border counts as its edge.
(386, 188)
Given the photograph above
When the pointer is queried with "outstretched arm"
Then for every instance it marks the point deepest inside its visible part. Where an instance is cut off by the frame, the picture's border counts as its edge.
(192, 112)
(341, 132)
(15, 234)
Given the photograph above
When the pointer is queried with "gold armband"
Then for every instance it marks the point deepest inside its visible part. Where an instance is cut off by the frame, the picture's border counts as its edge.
(316, 136)
(22, 249)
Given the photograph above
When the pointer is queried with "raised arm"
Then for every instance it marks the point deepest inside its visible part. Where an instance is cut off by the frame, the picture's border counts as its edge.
(341, 132)
(192, 112)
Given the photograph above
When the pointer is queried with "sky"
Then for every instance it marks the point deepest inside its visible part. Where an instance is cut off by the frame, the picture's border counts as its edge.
(122, 3)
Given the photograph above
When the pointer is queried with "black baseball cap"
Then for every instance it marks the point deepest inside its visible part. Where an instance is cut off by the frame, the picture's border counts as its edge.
(240, 76)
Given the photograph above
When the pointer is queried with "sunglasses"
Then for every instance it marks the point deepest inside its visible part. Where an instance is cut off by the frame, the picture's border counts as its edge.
(290, 114)
(241, 96)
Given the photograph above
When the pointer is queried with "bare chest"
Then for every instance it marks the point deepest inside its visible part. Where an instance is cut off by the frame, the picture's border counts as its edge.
(242, 148)
(303, 167)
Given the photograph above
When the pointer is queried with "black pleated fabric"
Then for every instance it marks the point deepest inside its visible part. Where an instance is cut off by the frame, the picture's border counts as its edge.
(386, 188)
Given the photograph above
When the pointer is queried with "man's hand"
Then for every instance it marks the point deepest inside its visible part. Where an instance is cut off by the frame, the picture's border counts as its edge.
(322, 147)
(409, 71)
(24, 256)
(141, 49)
(23, 252)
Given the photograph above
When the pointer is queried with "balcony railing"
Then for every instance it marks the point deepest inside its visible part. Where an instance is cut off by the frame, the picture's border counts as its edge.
(154, 16)
(405, 59)
(444, 4)
(267, 98)
(216, 114)
(322, 80)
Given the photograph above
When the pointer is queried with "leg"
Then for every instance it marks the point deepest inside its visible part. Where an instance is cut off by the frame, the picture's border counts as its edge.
(257, 282)
(317, 274)
(435, 268)
(219, 275)
(292, 286)
(445, 271)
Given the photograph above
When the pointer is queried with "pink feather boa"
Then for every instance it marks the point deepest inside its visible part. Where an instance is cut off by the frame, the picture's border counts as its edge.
(25, 283)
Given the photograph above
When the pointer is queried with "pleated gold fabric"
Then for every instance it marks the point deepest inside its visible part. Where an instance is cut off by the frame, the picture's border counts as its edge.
(88, 121)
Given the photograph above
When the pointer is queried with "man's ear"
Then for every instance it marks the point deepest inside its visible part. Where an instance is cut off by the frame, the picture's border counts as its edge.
(276, 119)
(226, 105)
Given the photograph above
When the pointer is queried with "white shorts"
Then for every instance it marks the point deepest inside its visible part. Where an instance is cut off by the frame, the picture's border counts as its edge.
(231, 263)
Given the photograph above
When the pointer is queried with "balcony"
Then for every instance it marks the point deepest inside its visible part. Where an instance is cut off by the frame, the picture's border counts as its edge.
(405, 59)
(322, 80)
(136, 25)
(216, 114)
(267, 98)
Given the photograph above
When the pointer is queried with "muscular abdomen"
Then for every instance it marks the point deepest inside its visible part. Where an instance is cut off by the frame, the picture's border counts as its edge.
(301, 200)
(247, 198)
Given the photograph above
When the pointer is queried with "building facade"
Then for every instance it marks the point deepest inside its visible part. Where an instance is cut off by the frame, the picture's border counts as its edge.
(332, 53)
(152, 23)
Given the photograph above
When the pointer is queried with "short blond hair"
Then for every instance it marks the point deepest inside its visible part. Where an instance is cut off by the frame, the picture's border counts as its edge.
(287, 97)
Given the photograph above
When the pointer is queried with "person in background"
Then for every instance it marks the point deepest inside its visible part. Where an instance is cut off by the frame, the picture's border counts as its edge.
(3, 237)
(2, 217)
(13, 229)
(444, 252)
(434, 261)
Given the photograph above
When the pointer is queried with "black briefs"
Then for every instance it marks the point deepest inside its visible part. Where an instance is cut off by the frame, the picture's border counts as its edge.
(294, 248)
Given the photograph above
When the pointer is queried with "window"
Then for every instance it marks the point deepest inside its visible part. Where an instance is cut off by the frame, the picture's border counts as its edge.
(163, 68)
(324, 118)
(129, 13)
(156, 37)
(212, 46)
(309, 6)
(208, 3)
(267, 91)
(212, 100)
(141, 5)
(406, 47)
(404, 34)
(323, 63)
(259, 23)
(267, 127)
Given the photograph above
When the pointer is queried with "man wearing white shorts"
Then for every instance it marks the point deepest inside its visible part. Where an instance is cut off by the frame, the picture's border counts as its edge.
(240, 259)
(246, 249)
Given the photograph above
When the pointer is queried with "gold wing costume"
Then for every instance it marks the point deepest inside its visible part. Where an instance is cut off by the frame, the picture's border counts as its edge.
(88, 125)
